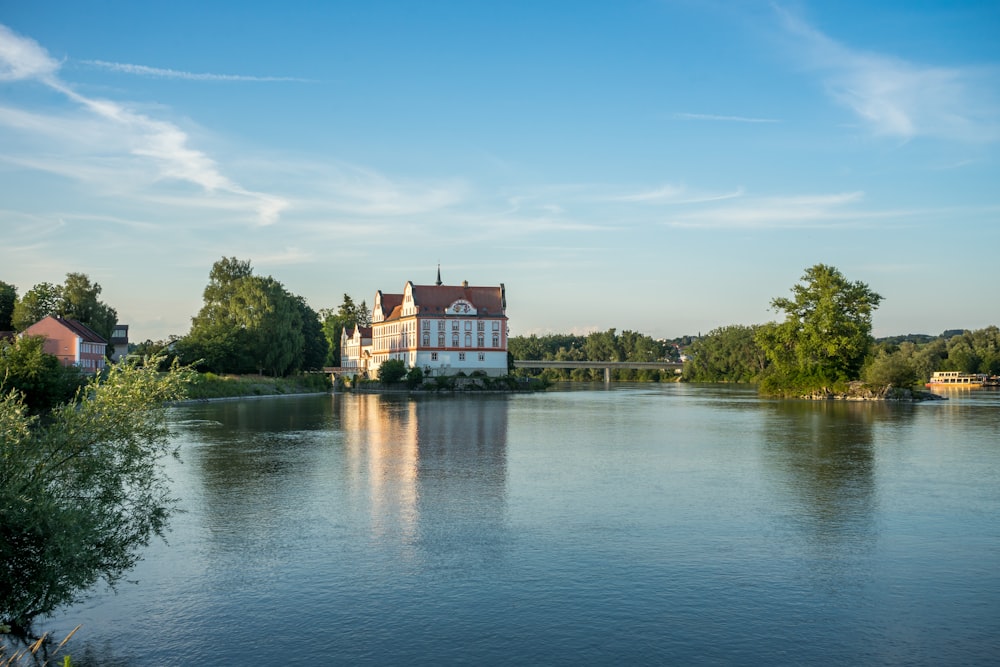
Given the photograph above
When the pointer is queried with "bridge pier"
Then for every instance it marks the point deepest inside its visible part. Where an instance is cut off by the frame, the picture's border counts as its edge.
(607, 375)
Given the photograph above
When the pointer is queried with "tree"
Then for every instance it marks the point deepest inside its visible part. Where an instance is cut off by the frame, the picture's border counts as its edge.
(8, 297)
(726, 354)
(347, 316)
(391, 371)
(315, 347)
(39, 302)
(826, 333)
(83, 490)
(247, 324)
(39, 377)
(80, 302)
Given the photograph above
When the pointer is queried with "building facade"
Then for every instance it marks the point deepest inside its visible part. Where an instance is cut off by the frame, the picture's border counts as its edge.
(441, 329)
(74, 343)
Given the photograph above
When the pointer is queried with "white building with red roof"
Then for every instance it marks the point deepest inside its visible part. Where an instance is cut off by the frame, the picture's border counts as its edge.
(441, 329)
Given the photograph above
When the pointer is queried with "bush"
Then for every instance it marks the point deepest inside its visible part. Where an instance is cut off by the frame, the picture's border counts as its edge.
(391, 371)
(414, 377)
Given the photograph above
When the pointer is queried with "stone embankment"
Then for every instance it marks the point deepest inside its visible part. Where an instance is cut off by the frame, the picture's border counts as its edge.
(860, 391)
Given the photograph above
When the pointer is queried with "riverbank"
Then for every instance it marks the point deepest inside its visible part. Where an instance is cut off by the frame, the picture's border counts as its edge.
(860, 391)
(207, 386)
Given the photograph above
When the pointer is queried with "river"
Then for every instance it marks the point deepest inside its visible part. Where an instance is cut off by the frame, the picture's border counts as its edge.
(630, 524)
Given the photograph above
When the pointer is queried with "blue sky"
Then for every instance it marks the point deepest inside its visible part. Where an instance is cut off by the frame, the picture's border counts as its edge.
(662, 166)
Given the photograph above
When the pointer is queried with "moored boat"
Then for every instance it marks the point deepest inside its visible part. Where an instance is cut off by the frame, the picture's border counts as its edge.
(958, 380)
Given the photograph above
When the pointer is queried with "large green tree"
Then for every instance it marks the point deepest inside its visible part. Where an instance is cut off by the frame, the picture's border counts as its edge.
(83, 490)
(39, 302)
(80, 302)
(250, 323)
(826, 333)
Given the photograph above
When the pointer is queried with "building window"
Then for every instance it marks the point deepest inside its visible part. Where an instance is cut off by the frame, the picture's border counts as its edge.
(427, 340)
(461, 356)
(427, 325)
(454, 340)
(482, 356)
(480, 325)
(468, 325)
(440, 340)
(440, 325)
(496, 325)
(454, 325)
(496, 340)
(480, 341)
(434, 356)
(468, 340)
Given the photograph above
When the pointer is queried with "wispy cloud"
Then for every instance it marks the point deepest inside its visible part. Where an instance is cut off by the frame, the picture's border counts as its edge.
(154, 141)
(898, 98)
(161, 73)
(724, 119)
(803, 211)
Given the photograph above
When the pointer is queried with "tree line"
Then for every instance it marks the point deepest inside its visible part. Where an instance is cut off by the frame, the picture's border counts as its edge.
(597, 346)
(825, 340)
(248, 323)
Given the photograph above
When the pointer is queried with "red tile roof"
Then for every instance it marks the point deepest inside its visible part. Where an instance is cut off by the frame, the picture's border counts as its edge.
(431, 299)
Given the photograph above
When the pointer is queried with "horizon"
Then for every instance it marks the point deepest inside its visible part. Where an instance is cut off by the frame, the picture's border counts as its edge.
(661, 167)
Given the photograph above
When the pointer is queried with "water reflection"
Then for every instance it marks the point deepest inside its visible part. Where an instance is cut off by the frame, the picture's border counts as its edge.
(824, 451)
(431, 471)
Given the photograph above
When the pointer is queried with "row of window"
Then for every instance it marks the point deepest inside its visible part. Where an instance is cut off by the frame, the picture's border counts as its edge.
(92, 348)
(461, 356)
(457, 324)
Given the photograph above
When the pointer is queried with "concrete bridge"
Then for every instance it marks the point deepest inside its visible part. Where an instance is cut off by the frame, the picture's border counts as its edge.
(608, 366)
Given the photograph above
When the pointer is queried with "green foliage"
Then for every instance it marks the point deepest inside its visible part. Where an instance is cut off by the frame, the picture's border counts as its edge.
(347, 316)
(726, 354)
(80, 302)
(826, 334)
(886, 368)
(414, 377)
(39, 377)
(76, 299)
(8, 297)
(391, 371)
(598, 346)
(82, 491)
(250, 323)
(39, 302)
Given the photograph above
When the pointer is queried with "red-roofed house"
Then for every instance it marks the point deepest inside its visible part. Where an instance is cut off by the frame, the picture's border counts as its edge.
(74, 343)
(441, 329)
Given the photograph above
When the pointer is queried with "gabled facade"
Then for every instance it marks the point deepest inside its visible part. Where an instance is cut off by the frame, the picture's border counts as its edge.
(74, 343)
(441, 329)
(355, 349)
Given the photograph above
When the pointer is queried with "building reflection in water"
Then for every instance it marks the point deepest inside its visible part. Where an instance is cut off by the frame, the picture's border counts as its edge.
(431, 471)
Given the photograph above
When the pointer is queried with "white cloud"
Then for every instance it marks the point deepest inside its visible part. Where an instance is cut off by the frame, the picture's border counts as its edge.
(808, 211)
(157, 72)
(119, 128)
(22, 58)
(902, 99)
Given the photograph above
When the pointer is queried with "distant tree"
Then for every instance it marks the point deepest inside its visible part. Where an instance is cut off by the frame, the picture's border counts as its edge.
(39, 302)
(347, 316)
(894, 368)
(391, 371)
(42, 381)
(726, 354)
(826, 333)
(8, 297)
(414, 377)
(80, 302)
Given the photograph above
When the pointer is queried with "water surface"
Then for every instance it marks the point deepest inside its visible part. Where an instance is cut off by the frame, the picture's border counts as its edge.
(643, 524)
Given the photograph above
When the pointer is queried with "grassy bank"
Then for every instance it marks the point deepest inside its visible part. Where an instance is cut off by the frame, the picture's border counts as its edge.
(210, 385)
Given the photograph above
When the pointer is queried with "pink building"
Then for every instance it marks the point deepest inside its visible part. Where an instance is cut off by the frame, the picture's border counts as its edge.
(75, 344)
